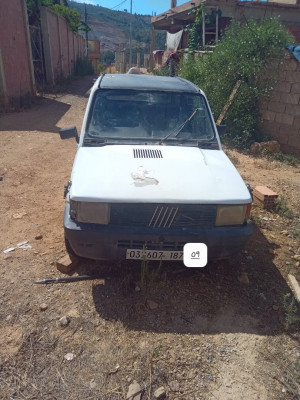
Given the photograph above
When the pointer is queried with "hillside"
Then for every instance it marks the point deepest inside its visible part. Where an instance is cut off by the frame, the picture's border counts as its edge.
(112, 28)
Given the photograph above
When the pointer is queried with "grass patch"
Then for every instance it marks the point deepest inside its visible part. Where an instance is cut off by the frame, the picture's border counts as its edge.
(291, 310)
(281, 208)
(288, 159)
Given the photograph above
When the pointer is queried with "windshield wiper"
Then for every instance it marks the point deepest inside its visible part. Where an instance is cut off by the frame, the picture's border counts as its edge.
(178, 130)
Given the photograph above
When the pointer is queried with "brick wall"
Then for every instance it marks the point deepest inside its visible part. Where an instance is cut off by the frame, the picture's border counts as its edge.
(281, 113)
(16, 69)
(61, 46)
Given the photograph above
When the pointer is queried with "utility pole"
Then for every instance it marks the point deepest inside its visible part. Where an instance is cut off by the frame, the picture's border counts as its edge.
(130, 37)
(86, 31)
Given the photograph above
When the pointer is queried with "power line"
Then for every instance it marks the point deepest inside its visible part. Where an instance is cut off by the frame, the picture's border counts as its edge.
(118, 5)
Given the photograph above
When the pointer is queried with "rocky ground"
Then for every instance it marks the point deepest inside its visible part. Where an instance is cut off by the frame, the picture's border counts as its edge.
(229, 331)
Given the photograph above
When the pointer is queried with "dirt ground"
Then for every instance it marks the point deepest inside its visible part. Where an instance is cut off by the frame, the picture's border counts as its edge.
(227, 332)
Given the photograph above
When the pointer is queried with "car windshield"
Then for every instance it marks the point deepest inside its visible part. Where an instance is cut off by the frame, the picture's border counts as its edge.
(133, 114)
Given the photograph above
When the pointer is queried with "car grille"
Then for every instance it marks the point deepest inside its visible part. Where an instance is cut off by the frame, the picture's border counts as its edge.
(163, 215)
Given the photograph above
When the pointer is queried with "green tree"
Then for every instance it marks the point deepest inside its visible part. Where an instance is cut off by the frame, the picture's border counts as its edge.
(242, 55)
(72, 16)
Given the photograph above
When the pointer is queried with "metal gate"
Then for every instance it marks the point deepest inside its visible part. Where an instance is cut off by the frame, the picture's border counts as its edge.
(37, 56)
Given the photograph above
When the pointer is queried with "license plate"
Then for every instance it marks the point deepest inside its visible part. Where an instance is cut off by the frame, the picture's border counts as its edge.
(134, 254)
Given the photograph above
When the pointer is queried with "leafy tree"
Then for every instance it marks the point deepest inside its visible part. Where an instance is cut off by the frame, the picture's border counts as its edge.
(242, 55)
(72, 16)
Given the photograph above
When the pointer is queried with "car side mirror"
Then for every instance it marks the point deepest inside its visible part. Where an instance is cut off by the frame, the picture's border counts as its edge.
(221, 129)
(69, 132)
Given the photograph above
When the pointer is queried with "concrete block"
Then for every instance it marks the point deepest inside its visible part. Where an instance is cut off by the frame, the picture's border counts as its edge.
(275, 95)
(67, 263)
(290, 64)
(290, 150)
(283, 87)
(296, 123)
(268, 115)
(289, 130)
(276, 106)
(264, 197)
(293, 76)
(284, 118)
(294, 141)
(293, 109)
(290, 98)
(282, 137)
(270, 127)
(295, 87)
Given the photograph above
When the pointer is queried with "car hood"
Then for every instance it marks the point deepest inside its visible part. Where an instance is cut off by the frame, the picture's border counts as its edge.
(173, 174)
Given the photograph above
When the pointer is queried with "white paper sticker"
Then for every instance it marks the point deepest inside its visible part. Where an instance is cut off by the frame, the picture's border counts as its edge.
(195, 255)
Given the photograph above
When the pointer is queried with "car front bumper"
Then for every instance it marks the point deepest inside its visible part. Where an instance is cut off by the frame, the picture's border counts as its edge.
(110, 242)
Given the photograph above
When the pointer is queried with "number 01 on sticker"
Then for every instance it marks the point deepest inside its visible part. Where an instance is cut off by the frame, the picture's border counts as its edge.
(195, 255)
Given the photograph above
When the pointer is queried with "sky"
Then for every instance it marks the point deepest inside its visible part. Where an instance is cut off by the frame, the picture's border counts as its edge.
(138, 6)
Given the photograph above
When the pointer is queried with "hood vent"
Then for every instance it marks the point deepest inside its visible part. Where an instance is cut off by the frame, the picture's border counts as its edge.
(146, 153)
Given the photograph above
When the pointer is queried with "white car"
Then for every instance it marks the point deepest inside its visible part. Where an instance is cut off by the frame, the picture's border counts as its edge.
(150, 175)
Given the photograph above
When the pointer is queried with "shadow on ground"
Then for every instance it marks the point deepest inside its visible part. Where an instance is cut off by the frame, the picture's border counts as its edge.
(47, 110)
(209, 301)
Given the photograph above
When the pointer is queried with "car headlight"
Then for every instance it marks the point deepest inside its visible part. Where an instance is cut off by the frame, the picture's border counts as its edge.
(232, 215)
(90, 212)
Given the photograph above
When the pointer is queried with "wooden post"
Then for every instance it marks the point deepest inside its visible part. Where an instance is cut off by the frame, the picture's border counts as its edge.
(3, 89)
(228, 104)
(28, 45)
(46, 45)
(217, 27)
(203, 27)
(152, 49)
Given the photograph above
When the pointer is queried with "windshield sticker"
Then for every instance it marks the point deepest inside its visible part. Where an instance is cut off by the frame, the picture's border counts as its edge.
(140, 178)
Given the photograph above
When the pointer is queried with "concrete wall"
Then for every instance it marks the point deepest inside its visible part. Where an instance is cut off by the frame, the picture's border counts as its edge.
(281, 113)
(61, 46)
(16, 68)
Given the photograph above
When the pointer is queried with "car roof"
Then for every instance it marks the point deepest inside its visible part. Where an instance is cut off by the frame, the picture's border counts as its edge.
(146, 82)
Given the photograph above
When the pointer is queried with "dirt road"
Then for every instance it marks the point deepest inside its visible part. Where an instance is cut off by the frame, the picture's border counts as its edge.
(226, 332)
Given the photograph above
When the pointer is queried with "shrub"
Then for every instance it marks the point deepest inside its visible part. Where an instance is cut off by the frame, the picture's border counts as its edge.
(242, 55)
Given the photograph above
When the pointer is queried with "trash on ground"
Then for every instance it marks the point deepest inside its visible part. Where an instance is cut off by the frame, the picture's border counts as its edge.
(8, 250)
(69, 356)
(19, 215)
(24, 245)
(75, 278)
